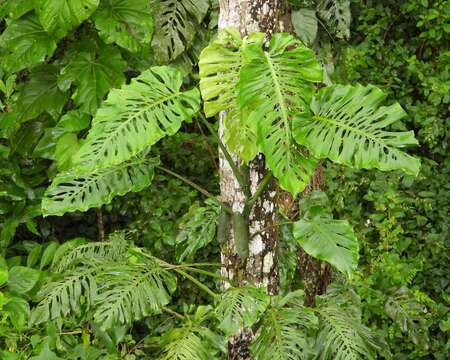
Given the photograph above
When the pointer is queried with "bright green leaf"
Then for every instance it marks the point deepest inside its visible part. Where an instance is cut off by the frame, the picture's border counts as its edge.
(66, 147)
(70, 192)
(329, 240)
(347, 125)
(61, 16)
(137, 116)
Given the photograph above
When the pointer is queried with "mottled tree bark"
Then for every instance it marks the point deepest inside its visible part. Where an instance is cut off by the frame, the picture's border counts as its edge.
(260, 269)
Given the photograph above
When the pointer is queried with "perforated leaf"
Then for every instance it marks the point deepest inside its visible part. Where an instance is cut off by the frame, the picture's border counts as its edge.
(70, 191)
(240, 307)
(130, 292)
(283, 333)
(137, 116)
(61, 16)
(275, 85)
(176, 23)
(26, 44)
(336, 15)
(347, 125)
(329, 240)
(219, 65)
(94, 74)
(128, 23)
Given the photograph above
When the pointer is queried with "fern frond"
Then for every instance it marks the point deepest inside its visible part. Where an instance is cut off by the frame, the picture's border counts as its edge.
(240, 307)
(343, 337)
(275, 85)
(130, 292)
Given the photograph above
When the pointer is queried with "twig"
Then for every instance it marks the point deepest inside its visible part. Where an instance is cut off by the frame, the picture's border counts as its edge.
(100, 225)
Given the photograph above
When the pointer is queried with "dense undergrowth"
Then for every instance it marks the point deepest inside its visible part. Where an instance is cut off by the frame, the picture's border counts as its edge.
(52, 85)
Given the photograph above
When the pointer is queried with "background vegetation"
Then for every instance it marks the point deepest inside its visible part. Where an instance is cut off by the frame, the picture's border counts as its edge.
(56, 71)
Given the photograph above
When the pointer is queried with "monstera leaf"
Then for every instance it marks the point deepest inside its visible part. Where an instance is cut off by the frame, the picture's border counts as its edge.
(240, 307)
(219, 65)
(135, 117)
(70, 191)
(275, 85)
(176, 25)
(336, 15)
(128, 23)
(347, 125)
(330, 240)
(61, 16)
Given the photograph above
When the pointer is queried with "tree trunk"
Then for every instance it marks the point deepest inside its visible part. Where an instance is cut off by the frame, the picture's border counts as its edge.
(261, 268)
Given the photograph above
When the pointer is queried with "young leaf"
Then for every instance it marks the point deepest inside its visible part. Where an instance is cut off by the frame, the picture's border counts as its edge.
(330, 240)
(40, 94)
(61, 16)
(137, 116)
(347, 126)
(94, 74)
(275, 85)
(128, 23)
(26, 42)
(219, 65)
(197, 229)
(176, 22)
(305, 25)
(70, 191)
(240, 307)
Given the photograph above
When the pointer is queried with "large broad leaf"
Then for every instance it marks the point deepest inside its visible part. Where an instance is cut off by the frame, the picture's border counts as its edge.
(220, 64)
(347, 125)
(305, 25)
(94, 74)
(176, 23)
(14, 9)
(70, 191)
(40, 94)
(26, 44)
(61, 16)
(336, 15)
(137, 116)
(330, 240)
(240, 307)
(274, 86)
(284, 330)
(128, 23)
(129, 292)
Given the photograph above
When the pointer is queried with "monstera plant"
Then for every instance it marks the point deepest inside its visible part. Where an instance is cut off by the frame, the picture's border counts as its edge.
(274, 103)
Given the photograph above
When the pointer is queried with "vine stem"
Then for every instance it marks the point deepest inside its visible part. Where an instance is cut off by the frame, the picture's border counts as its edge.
(172, 312)
(196, 282)
(261, 187)
(237, 173)
(196, 187)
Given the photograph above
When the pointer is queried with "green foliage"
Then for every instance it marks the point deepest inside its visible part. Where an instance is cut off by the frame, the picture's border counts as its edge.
(135, 117)
(70, 191)
(176, 23)
(127, 23)
(347, 126)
